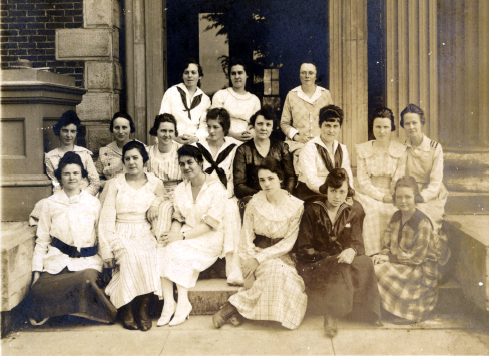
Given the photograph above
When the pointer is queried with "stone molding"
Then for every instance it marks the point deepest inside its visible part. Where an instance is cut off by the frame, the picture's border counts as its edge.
(87, 44)
(101, 13)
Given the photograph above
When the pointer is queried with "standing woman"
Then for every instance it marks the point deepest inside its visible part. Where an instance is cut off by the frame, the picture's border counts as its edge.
(126, 240)
(65, 263)
(270, 228)
(239, 103)
(425, 165)
(188, 104)
(380, 163)
(250, 155)
(195, 239)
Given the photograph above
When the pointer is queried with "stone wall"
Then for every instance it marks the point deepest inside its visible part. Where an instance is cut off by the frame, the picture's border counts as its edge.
(28, 32)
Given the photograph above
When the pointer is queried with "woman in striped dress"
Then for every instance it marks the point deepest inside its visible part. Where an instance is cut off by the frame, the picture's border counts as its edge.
(126, 240)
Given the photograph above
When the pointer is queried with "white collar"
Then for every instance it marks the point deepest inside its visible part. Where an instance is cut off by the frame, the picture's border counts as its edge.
(425, 144)
(303, 96)
(184, 88)
(318, 140)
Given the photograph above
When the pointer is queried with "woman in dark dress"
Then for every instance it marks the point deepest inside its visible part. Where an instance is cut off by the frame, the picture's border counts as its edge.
(331, 255)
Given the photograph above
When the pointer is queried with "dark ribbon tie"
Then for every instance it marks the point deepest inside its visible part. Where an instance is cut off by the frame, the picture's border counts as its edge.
(215, 164)
(195, 101)
(338, 157)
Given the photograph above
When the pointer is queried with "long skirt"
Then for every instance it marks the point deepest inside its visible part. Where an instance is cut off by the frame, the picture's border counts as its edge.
(182, 261)
(70, 293)
(165, 210)
(277, 294)
(232, 228)
(342, 285)
(405, 291)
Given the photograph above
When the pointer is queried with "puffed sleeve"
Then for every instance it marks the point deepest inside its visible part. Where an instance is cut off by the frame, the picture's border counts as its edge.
(257, 104)
(50, 172)
(241, 189)
(436, 176)
(414, 253)
(309, 168)
(213, 216)
(166, 102)
(218, 99)
(365, 182)
(106, 227)
(93, 176)
(287, 243)
(43, 237)
(288, 164)
(286, 120)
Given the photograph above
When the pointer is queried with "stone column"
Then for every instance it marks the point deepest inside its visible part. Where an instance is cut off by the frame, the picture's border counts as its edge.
(348, 68)
(98, 45)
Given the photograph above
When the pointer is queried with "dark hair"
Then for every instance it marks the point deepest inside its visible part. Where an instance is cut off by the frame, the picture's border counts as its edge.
(413, 109)
(69, 117)
(160, 119)
(273, 165)
(122, 115)
(222, 117)
(69, 158)
(266, 111)
(236, 62)
(330, 113)
(408, 182)
(381, 112)
(135, 145)
(335, 180)
(193, 61)
(190, 151)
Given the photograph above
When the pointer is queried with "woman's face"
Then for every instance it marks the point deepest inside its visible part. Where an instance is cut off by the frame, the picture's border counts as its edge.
(67, 134)
(269, 181)
(133, 161)
(191, 75)
(329, 131)
(214, 128)
(405, 199)
(308, 74)
(122, 129)
(263, 127)
(238, 76)
(382, 128)
(71, 177)
(412, 125)
(337, 196)
(166, 133)
(189, 166)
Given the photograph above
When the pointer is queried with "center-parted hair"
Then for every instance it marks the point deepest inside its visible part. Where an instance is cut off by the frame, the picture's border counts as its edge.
(222, 117)
(273, 165)
(408, 182)
(122, 115)
(192, 61)
(159, 119)
(331, 113)
(190, 151)
(413, 109)
(381, 112)
(69, 158)
(335, 180)
(69, 117)
(266, 111)
(135, 145)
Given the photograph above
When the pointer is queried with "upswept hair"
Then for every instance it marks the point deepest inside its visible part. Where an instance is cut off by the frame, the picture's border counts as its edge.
(335, 180)
(192, 61)
(413, 109)
(381, 112)
(190, 151)
(408, 182)
(122, 115)
(266, 111)
(69, 158)
(273, 165)
(69, 117)
(222, 117)
(331, 113)
(159, 119)
(135, 145)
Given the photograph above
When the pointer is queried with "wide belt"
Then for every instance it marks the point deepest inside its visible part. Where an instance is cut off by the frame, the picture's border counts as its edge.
(72, 251)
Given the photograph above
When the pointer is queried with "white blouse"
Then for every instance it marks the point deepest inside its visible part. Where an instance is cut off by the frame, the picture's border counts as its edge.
(240, 107)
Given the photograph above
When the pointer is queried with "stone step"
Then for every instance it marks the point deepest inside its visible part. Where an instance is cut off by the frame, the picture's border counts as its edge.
(462, 203)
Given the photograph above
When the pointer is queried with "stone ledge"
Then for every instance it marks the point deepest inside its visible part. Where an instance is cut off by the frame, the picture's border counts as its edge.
(101, 13)
(209, 295)
(463, 203)
(87, 44)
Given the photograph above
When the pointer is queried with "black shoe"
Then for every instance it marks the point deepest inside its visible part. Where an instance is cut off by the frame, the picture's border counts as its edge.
(127, 316)
(223, 315)
(144, 319)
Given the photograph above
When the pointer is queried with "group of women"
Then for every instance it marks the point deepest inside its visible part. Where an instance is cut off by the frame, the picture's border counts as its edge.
(214, 185)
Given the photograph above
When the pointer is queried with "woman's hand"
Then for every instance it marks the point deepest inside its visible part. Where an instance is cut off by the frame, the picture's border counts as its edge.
(241, 136)
(185, 139)
(35, 277)
(169, 236)
(297, 137)
(379, 259)
(387, 199)
(249, 266)
(347, 256)
(109, 263)
(152, 213)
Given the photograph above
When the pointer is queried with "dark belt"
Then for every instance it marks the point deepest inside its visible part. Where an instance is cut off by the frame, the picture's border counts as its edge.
(265, 242)
(71, 251)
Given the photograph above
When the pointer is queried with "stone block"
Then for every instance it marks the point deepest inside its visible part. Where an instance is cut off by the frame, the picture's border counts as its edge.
(104, 76)
(98, 106)
(209, 295)
(97, 135)
(87, 44)
(101, 13)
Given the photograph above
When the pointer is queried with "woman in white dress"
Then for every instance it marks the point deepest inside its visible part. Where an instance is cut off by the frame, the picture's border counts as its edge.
(195, 239)
(239, 103)
(188, 104)
(270, 229)
(126, 240)
(218, 151)
(380, 163)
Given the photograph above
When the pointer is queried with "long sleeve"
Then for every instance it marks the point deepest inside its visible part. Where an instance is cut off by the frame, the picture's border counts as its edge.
(386, 239)
(43, 238)
(93, 177)
(347, 166)
(286, 120)
(213, 217)
(106, 227)
(166, 104)
(309, 168)
(286, 244)
(288, 164)
(365, 182)
(257, 105)
(246, 248)
(436, 176)
(414, 254)
(356, 239)
(99, 166)
(241, 189)
(218, 99)
(50, 172)
(399, 172)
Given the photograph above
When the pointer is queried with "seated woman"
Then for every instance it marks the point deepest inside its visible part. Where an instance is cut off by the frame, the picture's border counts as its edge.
(65, 262)
(380, 163)
(218, 151)
(239, 103)
(188, 104)
(126, 240)
(407, 265)
(250, 155)
(331, 256)
(425, 165)
(163, 162)
(195, 239)
(67, 129)
(270, 227)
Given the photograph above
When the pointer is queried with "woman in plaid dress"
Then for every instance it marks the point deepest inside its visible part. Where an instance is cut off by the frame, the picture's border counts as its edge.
(270, 228)
(380, 163)
(407, 266)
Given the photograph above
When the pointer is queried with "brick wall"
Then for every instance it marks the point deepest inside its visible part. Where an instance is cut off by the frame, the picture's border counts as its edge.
(28, 32)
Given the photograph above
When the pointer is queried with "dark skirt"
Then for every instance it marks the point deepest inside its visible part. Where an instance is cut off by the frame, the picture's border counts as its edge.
(70, 293)
(340, 286)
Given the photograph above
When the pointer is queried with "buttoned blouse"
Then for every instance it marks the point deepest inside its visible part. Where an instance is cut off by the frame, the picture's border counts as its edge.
(313, 171)
(172, 104)
(240, 107)
(301, 113)
(71, 220)
(52, 158)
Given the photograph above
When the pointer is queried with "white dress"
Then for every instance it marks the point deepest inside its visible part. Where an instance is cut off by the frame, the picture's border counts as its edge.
(125, 233)
(182, 261)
